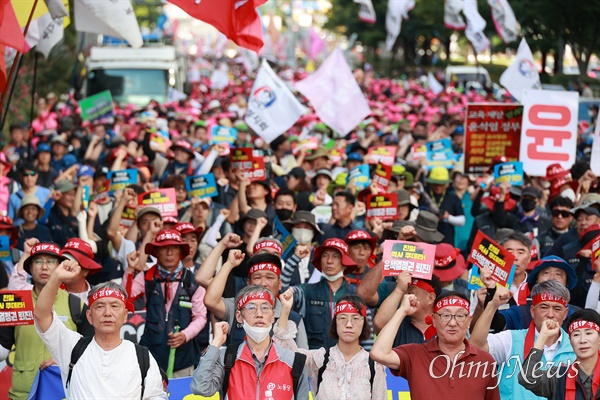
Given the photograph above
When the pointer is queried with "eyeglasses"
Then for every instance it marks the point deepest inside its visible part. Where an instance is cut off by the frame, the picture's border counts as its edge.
(355, 319)
(252, 309)
(42, 261)
(29, 173)
(562, 213)
(457, 317)
(180, 188)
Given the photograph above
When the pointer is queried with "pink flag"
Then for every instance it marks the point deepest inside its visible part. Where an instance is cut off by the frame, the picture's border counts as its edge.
(316, 44)
(335, 95)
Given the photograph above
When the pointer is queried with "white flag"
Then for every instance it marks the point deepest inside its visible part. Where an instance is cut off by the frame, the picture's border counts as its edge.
(475, 26)
(397, 9)
(478, 39)
(272, 107)
(504, 18)
(367, 12)
(522, 73)
(57, 8)
(44, 33)
(113, 18)
(452, 17)
(595, 160)
(434, 85)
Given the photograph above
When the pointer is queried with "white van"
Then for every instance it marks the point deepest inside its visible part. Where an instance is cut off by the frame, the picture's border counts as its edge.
(468, 75)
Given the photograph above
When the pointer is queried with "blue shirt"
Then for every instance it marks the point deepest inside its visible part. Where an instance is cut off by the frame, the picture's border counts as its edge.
(42, 193)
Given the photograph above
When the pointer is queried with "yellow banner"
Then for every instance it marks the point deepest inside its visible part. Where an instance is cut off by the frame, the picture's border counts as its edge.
(23, 9)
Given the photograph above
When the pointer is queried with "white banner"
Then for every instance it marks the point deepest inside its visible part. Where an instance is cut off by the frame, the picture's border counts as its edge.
(113, 18)
(478, 39)
(366, 12)
(44, 33)
(272, 107)
(475, 26)
(397, 9)
(504, 19)
(452, 17)
(549, 130)
(57, 8)
(522, 74)
(595, 160)
(434, 85)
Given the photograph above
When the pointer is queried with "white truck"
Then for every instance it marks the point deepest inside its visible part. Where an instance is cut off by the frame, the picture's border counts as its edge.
(135, 76)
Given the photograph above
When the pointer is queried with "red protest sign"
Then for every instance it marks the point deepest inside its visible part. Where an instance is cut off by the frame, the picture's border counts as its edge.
(488, 254)
(383, 174)
(398, 256)
(382, 154)
(383, 206)
(491, 130)
(241, 159)
(595, 251)
(163, 199)
(16, 307)
(311, 143)
(258, 171)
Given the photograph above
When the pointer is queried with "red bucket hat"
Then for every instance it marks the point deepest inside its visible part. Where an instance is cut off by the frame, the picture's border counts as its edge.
(185, 227)
(339, 245)
(50, 249)
(555, 171)
(361, 236)
(489, 201)
(7, 223)
(167, 237)
(449, 263)
(81, 251)
(183, 145)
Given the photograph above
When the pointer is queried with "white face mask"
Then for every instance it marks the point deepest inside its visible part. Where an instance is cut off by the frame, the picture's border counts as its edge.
(257, 333)
(569, 194)
(333, 278)
(303, 236)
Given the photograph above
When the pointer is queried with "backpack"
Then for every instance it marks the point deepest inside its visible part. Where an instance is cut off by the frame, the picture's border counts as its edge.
(324, 367)
(231, 354)
(142, 353)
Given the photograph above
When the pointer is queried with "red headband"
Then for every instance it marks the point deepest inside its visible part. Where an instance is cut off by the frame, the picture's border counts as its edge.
(268, 244)
(256, 296)
(420, 283)
(543, 297)
(264, 267)
(582, 324)
(452, 301)
(349, 308)
(107, 292)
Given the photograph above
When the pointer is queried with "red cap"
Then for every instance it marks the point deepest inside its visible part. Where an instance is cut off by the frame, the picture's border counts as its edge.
(361, 236)
(339, 245)
(555, 171)
(449, 263)
(168, 237)
(81, 251)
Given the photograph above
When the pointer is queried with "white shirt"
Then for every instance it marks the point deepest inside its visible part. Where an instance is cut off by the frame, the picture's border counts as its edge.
(500, 346)
(100, 374)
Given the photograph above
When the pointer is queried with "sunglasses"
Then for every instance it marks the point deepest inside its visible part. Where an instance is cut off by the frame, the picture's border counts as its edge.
(562, 213)
(29, 173)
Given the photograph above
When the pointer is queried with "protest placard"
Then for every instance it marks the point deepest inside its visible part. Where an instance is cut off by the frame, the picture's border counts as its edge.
(241, 159)
(491, 130)
(16, 307)
(258, 172)
(311, 143)
(440, 154)
(127, 217)
(359, 176)
(418, 258)
(382, 154)
(382, 177)
(383, 206)
(5, 252)
(201, 186)
(418, 151)
(486, 253)
(97, 106)
(119, 180)
(335, 156)
(595, 251)
(511, 172)
(159, 142)
(322, 214)
(223, 134)
(162, 199)
(284, 236)
(85, 197)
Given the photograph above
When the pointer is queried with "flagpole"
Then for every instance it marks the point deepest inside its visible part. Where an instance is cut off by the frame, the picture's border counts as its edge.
(33, 85)
(14, 71)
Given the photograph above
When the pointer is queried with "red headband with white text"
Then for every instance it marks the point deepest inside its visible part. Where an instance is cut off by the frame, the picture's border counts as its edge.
(548, 297)
(452, 301)
(582, 324)
(349, 308)
(107, 292)
(255, 296)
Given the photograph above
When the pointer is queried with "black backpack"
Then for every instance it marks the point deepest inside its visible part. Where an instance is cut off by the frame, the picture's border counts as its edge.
(142, 353)
(231, 354)
(324, 367)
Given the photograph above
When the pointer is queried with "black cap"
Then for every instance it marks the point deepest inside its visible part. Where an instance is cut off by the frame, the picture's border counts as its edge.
(297, 172)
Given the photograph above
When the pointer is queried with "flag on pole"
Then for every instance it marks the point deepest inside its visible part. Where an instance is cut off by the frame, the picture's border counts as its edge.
(397, 10)
(522, 73)
(475, 26)
(113, 18)
(236, 19)
(272, 107)
(56, 8)
(504, 19)
(44, 33)
(2, 68)
(434, 85)
(10, 31)
(366, 12)
(452, 17)
(335, 95)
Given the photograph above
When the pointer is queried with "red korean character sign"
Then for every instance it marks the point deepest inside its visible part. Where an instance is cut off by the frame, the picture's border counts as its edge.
(383, 206)
(16, 307)
(549, 133)
(382, 177)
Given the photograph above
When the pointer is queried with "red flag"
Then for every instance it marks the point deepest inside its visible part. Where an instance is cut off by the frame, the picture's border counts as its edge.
(2, 68)
(10, 31)
(236, 19)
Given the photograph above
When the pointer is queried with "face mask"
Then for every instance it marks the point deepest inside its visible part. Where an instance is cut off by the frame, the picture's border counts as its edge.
(333, 278)
(528, 204)
(303, 236)
(284, 215)
(257, 333)
(569, 194)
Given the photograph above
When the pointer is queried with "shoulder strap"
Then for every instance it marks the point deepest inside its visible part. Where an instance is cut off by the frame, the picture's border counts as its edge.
(372, 369)
(297, 369)
(322, 369)
(76, 353)
(230, 355)
(144, 361)
(75, 307)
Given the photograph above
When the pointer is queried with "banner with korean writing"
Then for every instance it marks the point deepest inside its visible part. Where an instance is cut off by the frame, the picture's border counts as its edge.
(223, 134)
(382, 154)
(85, 197)
(440, 154)
(201, 186)
(127, 217)
(16, 307)
(383, 206)
(119, 180)
(491, 130)
(488, 254)
(399, 256)
(595, 251)
(162, 199)
(418, 151)
(549, 133)
(382, 176)
(241, 159)
(259, 171)
(159, 143)
(509, 172)
(97, 106)
(359, 176)
(311, 143)
(285, 237)
(5, 252)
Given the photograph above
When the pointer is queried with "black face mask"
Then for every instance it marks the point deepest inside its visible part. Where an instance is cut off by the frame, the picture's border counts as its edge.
(284, 215)
(528, 204)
